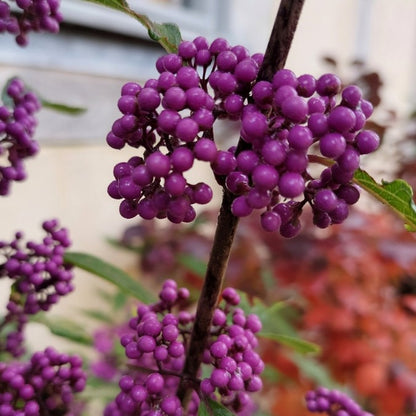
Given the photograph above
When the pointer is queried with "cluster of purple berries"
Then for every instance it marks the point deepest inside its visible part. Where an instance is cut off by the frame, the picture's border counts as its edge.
(17, 126)
(44, 385)
(292, 122)
(33, 16)
(333, 403)
(231, 351)
(286, 123)
(39, 278)
(171, 119)
(156, 348)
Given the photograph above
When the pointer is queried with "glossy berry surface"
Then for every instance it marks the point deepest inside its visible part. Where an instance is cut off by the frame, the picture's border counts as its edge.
(39, 277)
(287, 124)
(333, 402)
(34, 16)
(155, 343)
(170, 121)
(17, 127)
(45, 384)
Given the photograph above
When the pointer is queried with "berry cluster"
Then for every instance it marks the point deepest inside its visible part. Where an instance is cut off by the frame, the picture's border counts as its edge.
(333, 403)
(237, 367)
(291, 122)
(171, 119)
(156, 347)
(45, 385)
(39, 277)
(34, 16)
(286, 124)
(17, 126)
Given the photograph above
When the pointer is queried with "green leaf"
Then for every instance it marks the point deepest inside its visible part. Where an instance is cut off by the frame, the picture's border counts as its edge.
(119, 244)
(299, 345)
(275, 319)
(97, 315)
(397, 195)
(101, 389)
(62, 108)
(111, 273)
(119, 301)
(268, 278)
(314, 371)
(167, 34)
(193, 264)
(271, 374)
(5, 98)
(59, 107)
(276, 325)
(209, 407)
(64, 328)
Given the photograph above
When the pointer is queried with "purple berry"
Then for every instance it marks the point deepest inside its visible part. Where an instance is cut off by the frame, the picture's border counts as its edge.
(246, 70)
(284, 77)
(367, 141)
(295, 109)
(240, 207)
(265, 177)
(325, 200)
(341, 119)
(332, 145)
(270, 221)
(291, 184)
(328, 85)
(158, 164)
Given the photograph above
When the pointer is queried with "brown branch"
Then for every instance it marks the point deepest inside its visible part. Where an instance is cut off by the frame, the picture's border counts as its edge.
(281, 38)
(274, 59)
(208, 299)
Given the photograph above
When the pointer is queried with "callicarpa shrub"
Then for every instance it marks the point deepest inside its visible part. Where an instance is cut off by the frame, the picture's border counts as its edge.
(179, 360)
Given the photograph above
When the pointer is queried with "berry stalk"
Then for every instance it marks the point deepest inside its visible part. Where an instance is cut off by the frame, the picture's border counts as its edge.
(275, 57)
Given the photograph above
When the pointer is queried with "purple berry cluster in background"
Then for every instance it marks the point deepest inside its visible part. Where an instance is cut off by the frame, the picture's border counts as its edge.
(17, 126)
(31, 16)
(155, 346)
(44, 385)
(39, 278)
(286, 124)
(333, 403)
